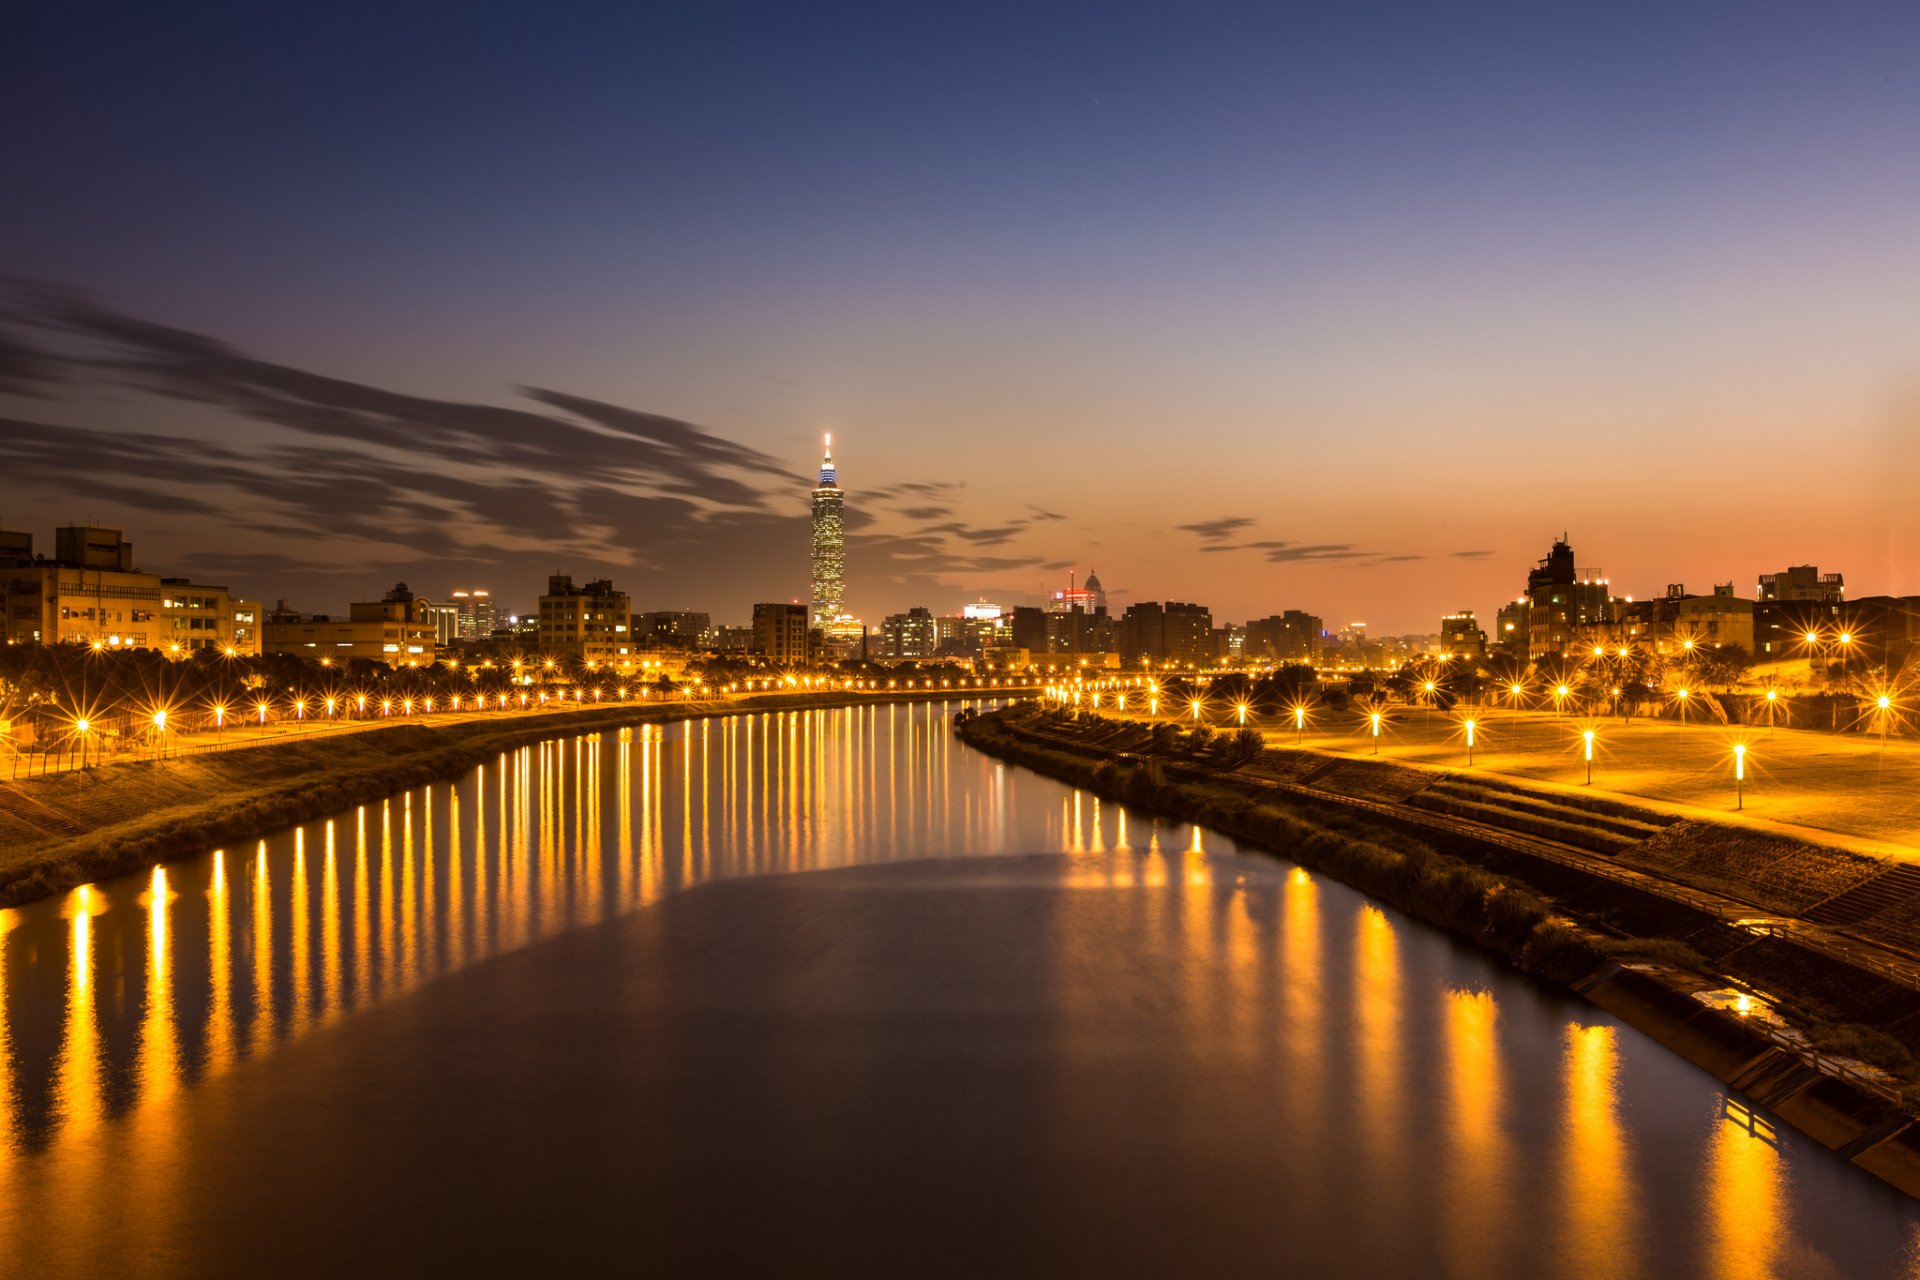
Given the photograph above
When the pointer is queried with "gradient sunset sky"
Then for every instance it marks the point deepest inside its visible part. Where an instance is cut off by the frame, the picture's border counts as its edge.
(1345, 308)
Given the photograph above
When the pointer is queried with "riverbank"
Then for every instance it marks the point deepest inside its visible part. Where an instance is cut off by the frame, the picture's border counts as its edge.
(1768, 1006)
(69, 829)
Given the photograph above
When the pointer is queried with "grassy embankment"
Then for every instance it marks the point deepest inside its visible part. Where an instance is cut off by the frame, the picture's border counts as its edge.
(72, 828)
(1547, 918)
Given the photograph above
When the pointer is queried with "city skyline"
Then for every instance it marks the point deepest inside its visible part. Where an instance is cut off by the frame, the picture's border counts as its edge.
(1174, 302)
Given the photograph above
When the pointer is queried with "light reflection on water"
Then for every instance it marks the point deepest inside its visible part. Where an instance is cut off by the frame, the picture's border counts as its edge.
(1430, 1101)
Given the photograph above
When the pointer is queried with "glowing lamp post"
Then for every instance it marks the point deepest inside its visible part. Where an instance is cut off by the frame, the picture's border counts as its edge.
(219, 715)
(330, 705)
(1196, 710)
(1587, 737)
(1299, 726)
(1739, 775)
(1242, 709)
(81, 727)
(1470, 728)
(261, 708)
(1373, 718)
(1773, 697)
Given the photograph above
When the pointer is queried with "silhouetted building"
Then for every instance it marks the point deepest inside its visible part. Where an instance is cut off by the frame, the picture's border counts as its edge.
(1173, 634)
(1292, 636)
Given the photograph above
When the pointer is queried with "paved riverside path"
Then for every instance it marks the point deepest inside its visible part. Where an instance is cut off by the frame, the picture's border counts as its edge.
(1838, 788)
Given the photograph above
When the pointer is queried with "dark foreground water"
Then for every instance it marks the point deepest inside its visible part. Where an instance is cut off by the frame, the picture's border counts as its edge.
(828, 993)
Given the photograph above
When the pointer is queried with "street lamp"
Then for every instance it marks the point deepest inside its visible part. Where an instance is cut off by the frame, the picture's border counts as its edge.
(1470, 727)
(1242, 708)
(1588, 737)
(1374, 718)
(1739, 775)
(1299, 726)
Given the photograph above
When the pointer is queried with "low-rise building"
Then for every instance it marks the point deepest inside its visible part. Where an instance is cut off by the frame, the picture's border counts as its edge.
(91, 592)
(392, 629)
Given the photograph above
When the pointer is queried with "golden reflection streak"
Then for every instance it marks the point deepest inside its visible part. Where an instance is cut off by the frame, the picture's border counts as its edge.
(261, 1029)
(1745, 1195)
(1479, 1159)
(77, 1100)
(596, 906)
(1376, 963)
(1603, 1221)
(623, 803)
(407, 906)
(381, 960)
(221, 1036)
(362, 916)
(330, 959)
(8, 1103)
(453, 920)
(430, 950)
(300, 1004)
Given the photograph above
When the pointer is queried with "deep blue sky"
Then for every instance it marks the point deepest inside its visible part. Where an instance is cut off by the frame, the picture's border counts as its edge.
(1385, 282)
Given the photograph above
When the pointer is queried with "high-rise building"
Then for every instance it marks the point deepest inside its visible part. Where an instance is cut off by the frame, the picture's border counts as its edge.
(1562, 600)
(829, 544)
(780, 633)
(912, 634)
(476, 614)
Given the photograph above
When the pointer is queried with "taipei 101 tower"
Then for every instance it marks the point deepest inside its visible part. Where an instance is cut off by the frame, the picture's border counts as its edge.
(829, 538)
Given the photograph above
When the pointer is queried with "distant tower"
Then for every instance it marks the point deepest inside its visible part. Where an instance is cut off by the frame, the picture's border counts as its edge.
(1096, 594)
(829, 542)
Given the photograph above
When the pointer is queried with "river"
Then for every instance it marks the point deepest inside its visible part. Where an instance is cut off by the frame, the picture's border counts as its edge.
(827, 992)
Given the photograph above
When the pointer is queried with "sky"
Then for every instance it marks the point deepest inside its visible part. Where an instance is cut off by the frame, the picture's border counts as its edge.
(1347, 308)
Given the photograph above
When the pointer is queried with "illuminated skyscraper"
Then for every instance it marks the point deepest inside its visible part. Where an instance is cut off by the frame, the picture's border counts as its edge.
(829, 542)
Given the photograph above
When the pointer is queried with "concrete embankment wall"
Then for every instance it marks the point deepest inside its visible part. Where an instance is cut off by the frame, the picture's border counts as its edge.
(73, 828)
(1519, 908)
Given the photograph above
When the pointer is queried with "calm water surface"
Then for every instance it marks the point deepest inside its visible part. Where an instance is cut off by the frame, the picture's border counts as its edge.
(820, 992)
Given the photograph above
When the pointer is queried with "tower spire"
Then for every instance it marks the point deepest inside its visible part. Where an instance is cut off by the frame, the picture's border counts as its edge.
(828, 476)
